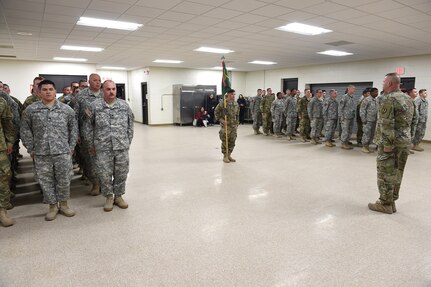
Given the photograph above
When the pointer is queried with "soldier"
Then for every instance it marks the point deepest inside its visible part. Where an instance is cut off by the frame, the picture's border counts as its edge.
(304, 120)
(49, 132)
(393, 139)
(412, 93)
(360, 131)
(315, 113)
(6, 89)
(265, 107)
(278, 107)
(82, 109)
(210, 107)
(232, 117)
(256, 113)
(67, 90)
(286, 95)
(34, 97)
(330, 117)
(83, 84)
(291, 115)
(422, 110)
(346, 112)
(368, 114)
(109, 133)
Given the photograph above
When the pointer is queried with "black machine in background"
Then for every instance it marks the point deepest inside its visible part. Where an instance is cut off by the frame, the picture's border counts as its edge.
(188, 99)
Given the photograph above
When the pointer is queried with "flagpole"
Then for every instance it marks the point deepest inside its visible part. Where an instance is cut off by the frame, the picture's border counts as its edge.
(225, 111)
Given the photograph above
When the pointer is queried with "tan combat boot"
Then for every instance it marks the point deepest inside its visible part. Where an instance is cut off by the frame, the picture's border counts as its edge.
(346, 146)
(416, 147)
(119, 201)
(290, 138)
(5, 220)
(380, 207)
(313, 141)
(9, 206)
(95, 190)
(52, 212)
(329, 144)
(109, 203)
(226, 158)
(66, 210)
(365, 149)
(231, 159)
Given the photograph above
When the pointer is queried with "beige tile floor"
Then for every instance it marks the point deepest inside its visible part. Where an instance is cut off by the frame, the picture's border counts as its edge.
(286, 214)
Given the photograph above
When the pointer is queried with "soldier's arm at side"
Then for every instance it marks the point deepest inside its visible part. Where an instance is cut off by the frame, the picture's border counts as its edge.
(8, 127)
(363, 111)
(130, 120)
(26, 132)
(73, 131)
(387, 121)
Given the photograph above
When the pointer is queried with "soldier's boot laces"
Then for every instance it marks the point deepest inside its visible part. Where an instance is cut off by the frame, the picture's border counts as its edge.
(52, 212)
(231, 158)
(119, 201)
(5, 220)
(109, 203)
(417, 148)
(226, 158)
(365, 149)
(95, 190)
(380, 207)
(66, 210)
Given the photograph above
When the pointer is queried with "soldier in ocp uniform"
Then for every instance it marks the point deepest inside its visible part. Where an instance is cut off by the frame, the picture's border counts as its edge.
(232, 119)
(360, 126)
(393, 140)
(291, 115)
(34, 97)
(346, 112)
(412, 93)
(368, 114)
(330, 117)
(265, 107)
(256, 113)
(278, 107)
(422, 110)
(304, 120)
(315, 113)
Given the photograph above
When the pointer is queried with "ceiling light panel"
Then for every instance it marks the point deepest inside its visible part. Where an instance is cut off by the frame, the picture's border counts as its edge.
(213, 50)
(111, 24)
(335, 53)
(303, 29)
(70, 59)
(167, 61)
(257, 62)
(80, 48)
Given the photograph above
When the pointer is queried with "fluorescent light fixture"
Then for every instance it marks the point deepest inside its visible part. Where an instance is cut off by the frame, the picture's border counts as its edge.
(335, 53)
(221, 68)
(112, 68)
(24, 33)
(80, 48)
(303, 29)
(111, 24)
(70, 59)
(213, 50)
(263, 63)
(167, 61)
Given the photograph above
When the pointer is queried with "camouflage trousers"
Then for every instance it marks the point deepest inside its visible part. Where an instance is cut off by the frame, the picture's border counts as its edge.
(87, 162)
(420, 133)
(304, 127)
(267, 122)
(360, 131)
(290, 125)
(5, 175)
(257, 121)
(283, 123)
(278, 122)
(230, 139)
(369, 131)
(316, 127)
(54, 174)
(390, 170)
(346, 130)
(112, 168)
(330, 127)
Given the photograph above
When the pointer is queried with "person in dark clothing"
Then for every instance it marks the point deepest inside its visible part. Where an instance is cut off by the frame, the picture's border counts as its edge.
(241, 103)
(201, 118)
(210, 107)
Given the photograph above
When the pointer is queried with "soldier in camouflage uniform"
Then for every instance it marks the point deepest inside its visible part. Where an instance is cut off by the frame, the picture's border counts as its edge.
(304, 120)
(291, 115)
(360, 130)
(278, 107)
(330, 117)
(422, 111)
(34, 97)
(232, 119)
(412, 93)
(82, 110)
(368, 113)
(109, 132)
(315, 113)
(256, 113)
(7, 139)
(393, 141)
(346, 112)
(265, 107)
(49, 131)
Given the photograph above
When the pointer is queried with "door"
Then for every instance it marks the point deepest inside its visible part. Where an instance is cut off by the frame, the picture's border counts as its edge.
(144, 92)
(291, 83)
(121, 91)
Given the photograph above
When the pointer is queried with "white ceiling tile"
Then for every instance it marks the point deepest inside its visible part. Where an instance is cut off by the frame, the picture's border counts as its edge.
(60, 19)
(253, 28)
(346, 14)
(201, 20)
(106, 6)
(297, 16)
(353, 3)
(364, 20)
(249, 18)
(298, 4)
(163, 23)
(158, 4)
(230, 25)
(144, 11)
(272, 11)
(192, 8)
(22, 14)
(22, 5)
(239, 5)
(326, 8)
(380, 6)
(63, 10)
(176, 16)
(101, 14)
(222, 13)
(214, 3)
(68, 3)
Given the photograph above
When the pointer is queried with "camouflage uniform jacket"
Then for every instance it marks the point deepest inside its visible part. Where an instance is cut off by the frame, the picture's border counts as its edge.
(265, 104)
(394, 119)
(368, 110)
(278, 107)
(347, 107)
(422, 109)
(109, 127)
(7, 135)
(255, 105)
(315, 108)
(330, 109)
(82, 105)
(302, 107)
(30, 100)
(49, 131)
(16, 120)
(18, 103)
(291, 103)
(231, 111)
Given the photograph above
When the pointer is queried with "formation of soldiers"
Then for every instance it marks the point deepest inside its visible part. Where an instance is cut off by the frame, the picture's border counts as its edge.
(317, 117)
(88, 126)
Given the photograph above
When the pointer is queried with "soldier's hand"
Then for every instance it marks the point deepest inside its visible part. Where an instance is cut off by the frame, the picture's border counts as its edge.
(9, 148)
(387, 149)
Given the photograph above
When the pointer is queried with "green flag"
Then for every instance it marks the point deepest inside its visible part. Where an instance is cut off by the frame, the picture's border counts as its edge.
(225, 82)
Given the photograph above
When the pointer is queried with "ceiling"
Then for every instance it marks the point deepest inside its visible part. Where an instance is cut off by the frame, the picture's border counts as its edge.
(174, 28)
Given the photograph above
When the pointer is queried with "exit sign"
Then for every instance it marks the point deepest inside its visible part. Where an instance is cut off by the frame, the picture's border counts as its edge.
(400, 70)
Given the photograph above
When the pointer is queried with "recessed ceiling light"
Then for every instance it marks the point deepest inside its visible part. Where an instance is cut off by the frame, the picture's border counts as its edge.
(213, 50)
(335, 53)
(113, 68)
(70, 59)
(80, 48)
(167, 61)
(303, 29)
(263, 63)
(103, 23)
(24, 33)
(221, 68)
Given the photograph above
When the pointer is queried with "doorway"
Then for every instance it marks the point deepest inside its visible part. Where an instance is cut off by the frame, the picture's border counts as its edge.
(121, 91)
(291, 83)
(144, 91)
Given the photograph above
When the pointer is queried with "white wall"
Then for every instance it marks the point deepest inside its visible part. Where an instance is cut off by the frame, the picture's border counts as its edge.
(119, 77)
(135, 78)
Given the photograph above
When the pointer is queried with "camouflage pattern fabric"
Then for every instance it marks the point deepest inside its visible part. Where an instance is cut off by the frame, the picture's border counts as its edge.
(265, 107)
(232, 113)
(256, 113)
(291, 115)
(278, 107)
(360, 130)
(346, 112)
(315, 113)
(330, 117)
(30, 100)
(112, 167)
(5, 175)
(304, 121)
(422, 112)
